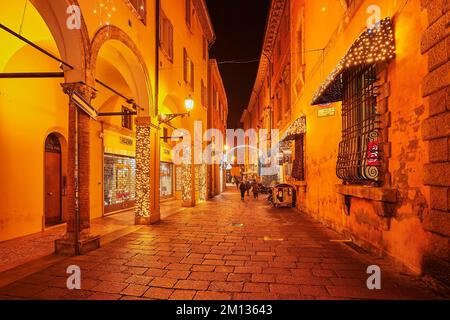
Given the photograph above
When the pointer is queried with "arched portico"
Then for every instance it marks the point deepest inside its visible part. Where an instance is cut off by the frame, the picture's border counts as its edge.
(73, 45)
(113, 45)
(44, 23)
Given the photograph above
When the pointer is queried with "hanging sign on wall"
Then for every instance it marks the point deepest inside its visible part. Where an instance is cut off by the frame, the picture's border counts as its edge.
(326, 110)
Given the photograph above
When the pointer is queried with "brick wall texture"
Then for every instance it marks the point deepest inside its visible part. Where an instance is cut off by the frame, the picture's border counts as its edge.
(436, 131)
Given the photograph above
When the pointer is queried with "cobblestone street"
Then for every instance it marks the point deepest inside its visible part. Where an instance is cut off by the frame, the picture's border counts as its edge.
(225, 249)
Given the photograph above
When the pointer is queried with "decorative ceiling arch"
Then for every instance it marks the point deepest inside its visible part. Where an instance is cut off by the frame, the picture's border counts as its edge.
(73, 45)
(136, 61)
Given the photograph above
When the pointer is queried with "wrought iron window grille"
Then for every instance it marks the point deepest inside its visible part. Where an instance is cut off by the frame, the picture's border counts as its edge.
(360, 155)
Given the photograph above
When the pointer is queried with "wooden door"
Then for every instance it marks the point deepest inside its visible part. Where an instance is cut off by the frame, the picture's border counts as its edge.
(53, 214)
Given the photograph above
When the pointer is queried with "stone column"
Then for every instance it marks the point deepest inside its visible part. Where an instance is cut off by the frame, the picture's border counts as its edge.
(78, 239)
(203, 188)
(147, 210)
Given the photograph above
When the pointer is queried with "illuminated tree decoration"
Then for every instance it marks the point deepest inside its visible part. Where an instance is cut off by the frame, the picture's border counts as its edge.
(374, 45)
(203, 192)
(143, 154)
(186, 175)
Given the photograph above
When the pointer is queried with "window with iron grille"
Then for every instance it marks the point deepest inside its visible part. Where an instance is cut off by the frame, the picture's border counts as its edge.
(359, 158)
(298, 166)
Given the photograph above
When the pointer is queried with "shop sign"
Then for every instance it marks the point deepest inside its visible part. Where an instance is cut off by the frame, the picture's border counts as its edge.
(326, 112)
(126, 141)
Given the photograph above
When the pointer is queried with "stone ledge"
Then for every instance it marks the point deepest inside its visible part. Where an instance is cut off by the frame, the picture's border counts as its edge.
(67, 247)
(436, 127)
(144, 221)
(437, 174)
(437, 222)
(370, 193)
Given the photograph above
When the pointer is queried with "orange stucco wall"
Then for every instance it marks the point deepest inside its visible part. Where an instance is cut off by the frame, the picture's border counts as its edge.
(327, 24)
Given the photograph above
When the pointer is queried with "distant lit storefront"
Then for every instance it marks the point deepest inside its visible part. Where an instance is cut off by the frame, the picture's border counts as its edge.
(119, 172)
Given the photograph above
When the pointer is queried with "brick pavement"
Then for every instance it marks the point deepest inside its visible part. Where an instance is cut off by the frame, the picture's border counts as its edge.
(19, 251)
(203, 253)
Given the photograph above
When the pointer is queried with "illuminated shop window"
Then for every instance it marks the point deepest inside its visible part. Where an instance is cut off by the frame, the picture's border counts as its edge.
(166, 181)
(119, 182)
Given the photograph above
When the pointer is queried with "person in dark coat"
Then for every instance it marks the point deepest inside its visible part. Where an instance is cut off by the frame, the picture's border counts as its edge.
(243, 189)
(248, 185)
(236, 180)
(255, 190)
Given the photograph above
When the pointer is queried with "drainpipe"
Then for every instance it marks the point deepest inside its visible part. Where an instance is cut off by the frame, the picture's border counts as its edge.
(77, 199)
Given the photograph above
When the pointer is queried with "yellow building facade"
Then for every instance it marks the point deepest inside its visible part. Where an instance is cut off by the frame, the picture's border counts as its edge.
(58, 57)
(217, 119)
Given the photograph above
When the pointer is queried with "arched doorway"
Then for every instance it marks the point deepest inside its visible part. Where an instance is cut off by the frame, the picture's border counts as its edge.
(53, 181)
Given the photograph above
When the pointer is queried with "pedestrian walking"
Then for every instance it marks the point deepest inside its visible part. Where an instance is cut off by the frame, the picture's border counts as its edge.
(248, 186)
(243, 188)
(255, 190)
(236, 180)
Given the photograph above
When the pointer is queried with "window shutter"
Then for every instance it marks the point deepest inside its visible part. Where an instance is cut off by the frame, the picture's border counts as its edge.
(188, 13)
(192, 75)
(298, 167)
(185, 66)
(171, 40)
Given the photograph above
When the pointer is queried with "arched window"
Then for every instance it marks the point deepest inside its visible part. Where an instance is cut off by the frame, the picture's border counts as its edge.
(52, 144)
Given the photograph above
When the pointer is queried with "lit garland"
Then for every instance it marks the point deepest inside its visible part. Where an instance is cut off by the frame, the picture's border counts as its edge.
(143, 154)
(297, 128)
(186, 175)
(202, 188)
(105, 10)
(374, 45)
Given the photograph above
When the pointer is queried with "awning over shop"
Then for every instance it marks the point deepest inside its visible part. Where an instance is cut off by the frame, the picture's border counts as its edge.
(374, 45)
(297, 128)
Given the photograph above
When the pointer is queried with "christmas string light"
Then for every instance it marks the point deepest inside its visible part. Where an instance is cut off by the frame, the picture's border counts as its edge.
(297, 128)
(375, 45)
(202, 174)
(143, 155)
(186, 175)
(104, 9)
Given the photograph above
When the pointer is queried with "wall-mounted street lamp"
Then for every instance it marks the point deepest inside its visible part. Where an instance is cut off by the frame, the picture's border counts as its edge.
(189, 106)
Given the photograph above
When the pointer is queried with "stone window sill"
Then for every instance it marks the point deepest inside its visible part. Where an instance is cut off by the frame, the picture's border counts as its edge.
(369, 193)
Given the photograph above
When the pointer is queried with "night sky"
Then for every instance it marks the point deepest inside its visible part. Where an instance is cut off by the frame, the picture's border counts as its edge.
(239, 27)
